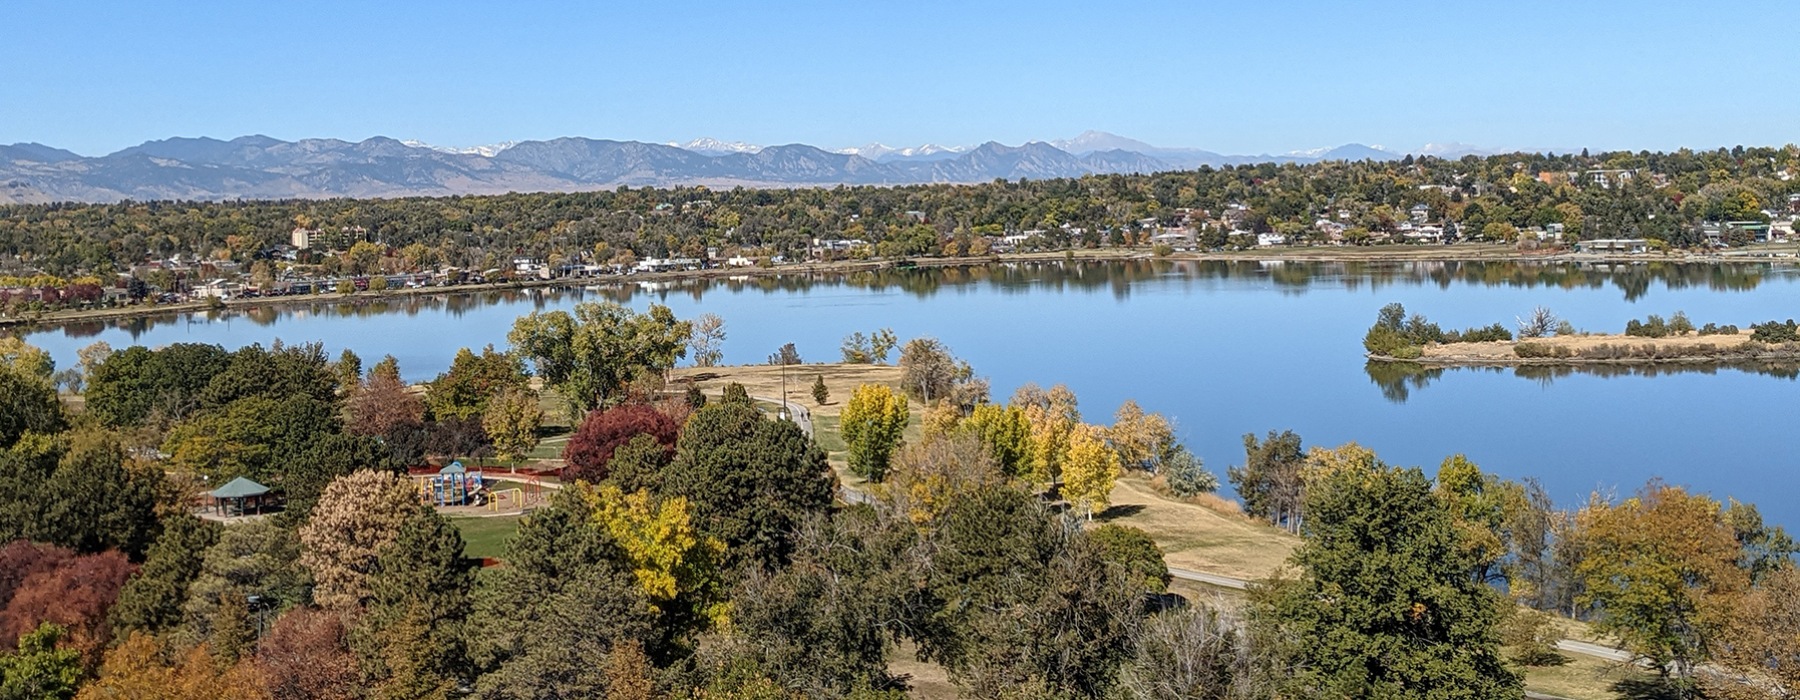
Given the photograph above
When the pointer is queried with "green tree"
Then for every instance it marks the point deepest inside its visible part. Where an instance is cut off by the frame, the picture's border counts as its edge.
(251, 559)
(1133, 551)
(872, 423)
(512, 421)
(820, 392)
(27, 404)
(564, 602)
(472, 380)
(591, 355)
(43, 669)
(749, 480)
(1270, 481)
(151, 601)
(410, 638)
(1386, 605)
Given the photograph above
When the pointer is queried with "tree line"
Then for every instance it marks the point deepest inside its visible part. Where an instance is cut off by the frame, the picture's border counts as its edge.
(698, 548)
(1665, 199)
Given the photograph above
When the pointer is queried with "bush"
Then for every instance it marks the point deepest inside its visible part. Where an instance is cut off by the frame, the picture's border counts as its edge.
(1536, 350)
(1162, 250)
(1775, 332)
(1185, 474)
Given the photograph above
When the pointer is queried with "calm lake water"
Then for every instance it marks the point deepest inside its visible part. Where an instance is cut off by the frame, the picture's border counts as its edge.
(1222, 348)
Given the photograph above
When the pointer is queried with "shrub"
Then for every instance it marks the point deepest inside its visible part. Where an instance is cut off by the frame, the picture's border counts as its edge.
(1536, 350)
(1775, 332)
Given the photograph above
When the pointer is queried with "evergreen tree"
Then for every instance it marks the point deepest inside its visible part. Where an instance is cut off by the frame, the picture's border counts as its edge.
(1387, 606)
(750, 480)
(410, 639)
(151, 601)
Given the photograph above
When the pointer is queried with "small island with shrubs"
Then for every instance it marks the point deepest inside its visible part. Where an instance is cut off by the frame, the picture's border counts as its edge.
(1543, 339)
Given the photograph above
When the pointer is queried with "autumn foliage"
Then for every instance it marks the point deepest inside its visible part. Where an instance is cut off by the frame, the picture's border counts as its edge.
(592, 446)
(43, 583)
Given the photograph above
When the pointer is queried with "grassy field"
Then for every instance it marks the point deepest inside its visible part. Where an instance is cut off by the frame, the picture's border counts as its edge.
(486, 537)
(1200, 538)
(1588, 678)
(765, 380)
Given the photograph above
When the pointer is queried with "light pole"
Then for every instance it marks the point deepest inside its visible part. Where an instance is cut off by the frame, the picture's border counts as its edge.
(784, 398)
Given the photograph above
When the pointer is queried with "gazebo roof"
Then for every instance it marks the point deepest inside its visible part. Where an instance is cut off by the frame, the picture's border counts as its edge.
(240, 488)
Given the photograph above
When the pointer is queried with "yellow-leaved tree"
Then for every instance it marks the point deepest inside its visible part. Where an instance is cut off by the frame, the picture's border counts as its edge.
(1141, 438)
(872, 423)
(1090, 469)
(676, 566)
(511, 421)
(1006, 433)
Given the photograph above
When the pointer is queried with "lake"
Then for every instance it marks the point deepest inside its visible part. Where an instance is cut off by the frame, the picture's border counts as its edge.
(1223, 348)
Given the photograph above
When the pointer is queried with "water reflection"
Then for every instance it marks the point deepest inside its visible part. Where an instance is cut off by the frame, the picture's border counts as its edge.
(1398, 380)
(1115, 277)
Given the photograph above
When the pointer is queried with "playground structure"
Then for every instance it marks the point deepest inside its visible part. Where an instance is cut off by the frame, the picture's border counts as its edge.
(499, 492)
(453, 485)
(524, 492)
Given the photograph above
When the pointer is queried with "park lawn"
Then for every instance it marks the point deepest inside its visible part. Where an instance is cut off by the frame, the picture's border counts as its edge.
(1198, 538)
(1588, 678)
(765, 381)
(486, 537)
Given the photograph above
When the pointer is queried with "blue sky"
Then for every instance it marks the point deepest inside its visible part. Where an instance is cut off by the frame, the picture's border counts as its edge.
(1245, 77)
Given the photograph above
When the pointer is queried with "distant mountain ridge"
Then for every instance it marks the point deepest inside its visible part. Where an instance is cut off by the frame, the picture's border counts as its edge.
(261, 167)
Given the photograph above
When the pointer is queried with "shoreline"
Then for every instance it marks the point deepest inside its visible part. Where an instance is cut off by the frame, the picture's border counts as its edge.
(1604, 350)
(1385, 254)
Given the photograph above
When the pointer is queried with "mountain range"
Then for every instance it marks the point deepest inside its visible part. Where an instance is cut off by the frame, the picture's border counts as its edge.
(260, 167)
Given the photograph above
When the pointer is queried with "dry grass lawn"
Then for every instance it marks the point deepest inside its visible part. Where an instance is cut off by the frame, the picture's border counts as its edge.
(765, 380)
(1500, 350)
(1199, 538)
(1588, 678)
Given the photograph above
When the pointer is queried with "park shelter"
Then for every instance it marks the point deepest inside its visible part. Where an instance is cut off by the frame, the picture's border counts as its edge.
(236, 495)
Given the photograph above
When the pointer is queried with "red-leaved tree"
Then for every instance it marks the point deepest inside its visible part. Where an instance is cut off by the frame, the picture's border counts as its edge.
(592, 445)
(62, 588)
(307, 656)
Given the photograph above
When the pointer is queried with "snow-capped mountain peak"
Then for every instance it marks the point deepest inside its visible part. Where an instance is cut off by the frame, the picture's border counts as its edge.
(880, 151)
(715, 146)
(487, 151)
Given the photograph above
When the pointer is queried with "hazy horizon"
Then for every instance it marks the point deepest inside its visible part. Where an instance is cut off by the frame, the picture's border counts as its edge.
(1262, 79)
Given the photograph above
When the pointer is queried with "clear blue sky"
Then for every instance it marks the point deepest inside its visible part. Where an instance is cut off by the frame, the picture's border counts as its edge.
(1239, 77)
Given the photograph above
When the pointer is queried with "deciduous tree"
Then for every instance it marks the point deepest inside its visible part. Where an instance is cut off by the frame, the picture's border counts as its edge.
(872, 423)
(1270, 480)
(708, 340)
(511, 422)
(356, 516)
(591, 355)
(463, 391)
(1649, 564)
(1089, 471)
(590, 449)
